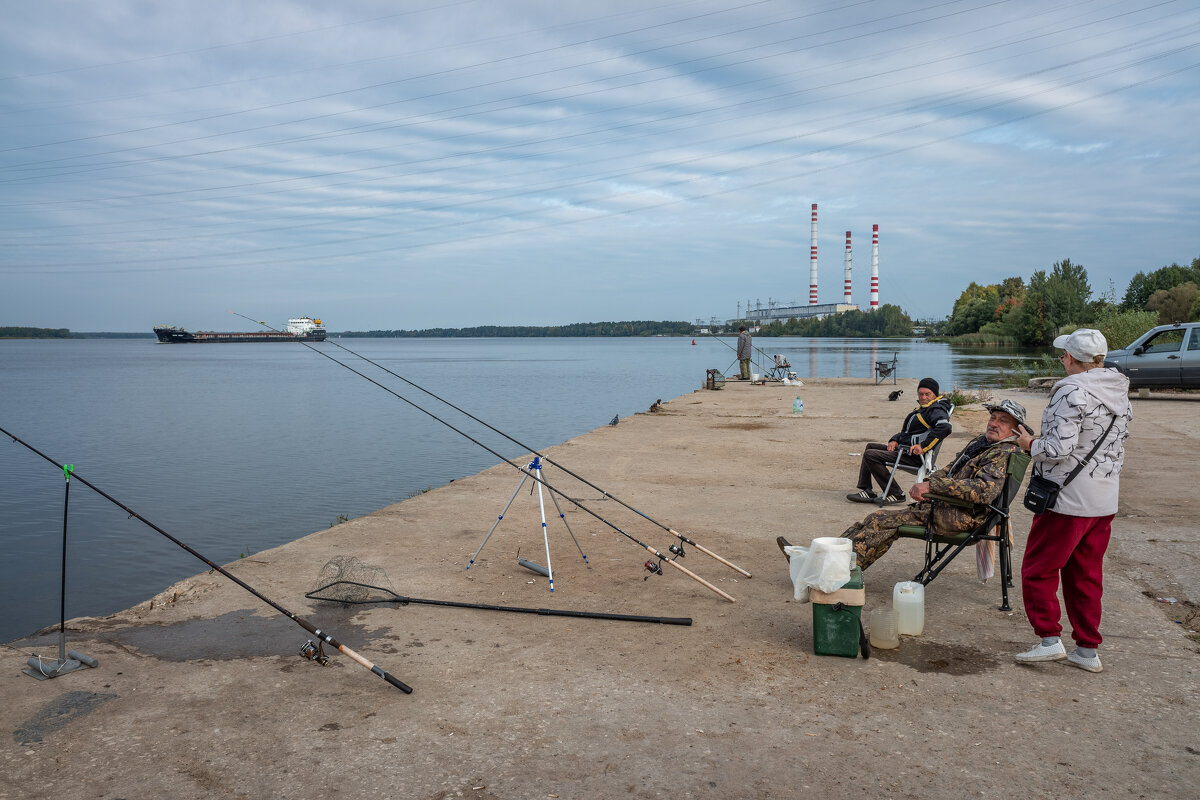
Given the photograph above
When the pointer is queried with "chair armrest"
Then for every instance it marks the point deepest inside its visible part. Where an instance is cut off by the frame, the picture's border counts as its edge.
(953, 501)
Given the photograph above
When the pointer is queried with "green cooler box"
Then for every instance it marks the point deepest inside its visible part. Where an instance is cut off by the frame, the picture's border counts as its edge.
(837, 618)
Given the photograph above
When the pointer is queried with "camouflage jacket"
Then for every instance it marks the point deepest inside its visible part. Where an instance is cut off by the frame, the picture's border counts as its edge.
(977, 480)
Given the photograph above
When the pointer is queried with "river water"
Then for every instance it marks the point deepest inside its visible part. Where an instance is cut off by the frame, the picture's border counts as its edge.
(235, 448)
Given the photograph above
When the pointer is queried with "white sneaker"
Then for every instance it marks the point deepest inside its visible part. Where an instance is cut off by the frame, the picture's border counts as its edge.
(1042, 652)
(1090, 664)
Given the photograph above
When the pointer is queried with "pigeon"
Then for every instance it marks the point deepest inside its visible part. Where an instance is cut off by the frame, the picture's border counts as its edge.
(616, 418)
(896, 394)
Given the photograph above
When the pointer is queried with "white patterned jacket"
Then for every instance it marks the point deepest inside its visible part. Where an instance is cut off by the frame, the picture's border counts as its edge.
(1081, 407)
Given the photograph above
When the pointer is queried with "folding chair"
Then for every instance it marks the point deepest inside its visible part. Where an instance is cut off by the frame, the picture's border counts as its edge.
(886, 369)
(940, 549)
(928, 464)
(781, 368)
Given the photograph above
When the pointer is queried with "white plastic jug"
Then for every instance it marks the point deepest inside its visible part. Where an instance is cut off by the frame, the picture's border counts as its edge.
(908, 598)
(883, 628)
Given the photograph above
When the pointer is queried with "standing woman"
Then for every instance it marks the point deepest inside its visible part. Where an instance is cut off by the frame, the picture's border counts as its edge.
(1070, 540)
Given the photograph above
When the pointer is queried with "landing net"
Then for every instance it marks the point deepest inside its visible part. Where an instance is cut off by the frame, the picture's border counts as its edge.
(345, 579)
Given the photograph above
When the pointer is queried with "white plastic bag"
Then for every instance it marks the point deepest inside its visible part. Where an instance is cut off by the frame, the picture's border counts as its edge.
(825, 564)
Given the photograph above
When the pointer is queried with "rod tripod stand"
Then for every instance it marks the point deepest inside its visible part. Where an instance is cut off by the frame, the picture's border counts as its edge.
(534, 470)
(68, 660)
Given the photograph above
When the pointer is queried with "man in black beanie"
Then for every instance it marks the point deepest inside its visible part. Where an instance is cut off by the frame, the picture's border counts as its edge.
(928, 424)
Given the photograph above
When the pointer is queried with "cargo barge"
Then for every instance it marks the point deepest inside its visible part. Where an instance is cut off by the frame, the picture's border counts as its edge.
(299, 329)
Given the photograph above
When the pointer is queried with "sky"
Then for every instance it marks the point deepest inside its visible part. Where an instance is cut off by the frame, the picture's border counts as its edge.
(451, 163)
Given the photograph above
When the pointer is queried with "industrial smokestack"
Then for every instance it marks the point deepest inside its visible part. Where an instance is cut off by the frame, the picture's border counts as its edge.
(812, 261)
(847, 287)
(874, 267)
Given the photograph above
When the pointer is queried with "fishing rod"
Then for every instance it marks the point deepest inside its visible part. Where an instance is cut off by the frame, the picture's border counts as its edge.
(309, 651)
(650, 565)
(756, 347)
(544, 457)
(315, 594)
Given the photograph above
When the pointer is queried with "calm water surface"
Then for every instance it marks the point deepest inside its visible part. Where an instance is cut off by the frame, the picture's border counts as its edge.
(235, 448)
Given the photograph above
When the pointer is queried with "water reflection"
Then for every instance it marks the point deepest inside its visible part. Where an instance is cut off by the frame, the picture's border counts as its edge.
(951, 365)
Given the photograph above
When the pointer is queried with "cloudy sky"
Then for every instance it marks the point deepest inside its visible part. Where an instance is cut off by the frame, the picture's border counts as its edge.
(465, 162)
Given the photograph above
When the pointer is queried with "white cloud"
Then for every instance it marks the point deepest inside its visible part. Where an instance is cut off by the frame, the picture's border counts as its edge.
(536, 162)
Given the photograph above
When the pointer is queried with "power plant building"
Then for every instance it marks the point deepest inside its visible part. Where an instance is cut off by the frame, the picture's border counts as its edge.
(765, 316)
(773, 312)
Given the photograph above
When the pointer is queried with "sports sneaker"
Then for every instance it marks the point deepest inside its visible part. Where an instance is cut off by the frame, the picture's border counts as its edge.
(894, 500)
(861, 496)
(1090, 664)
(1042, 652)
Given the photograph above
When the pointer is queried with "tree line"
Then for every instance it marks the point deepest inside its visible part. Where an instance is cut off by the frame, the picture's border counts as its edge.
(628, 328)
(886, 321)
(18, 332)
(1032, 314)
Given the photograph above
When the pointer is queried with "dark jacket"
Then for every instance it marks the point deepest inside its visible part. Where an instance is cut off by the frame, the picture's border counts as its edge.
(926, 425)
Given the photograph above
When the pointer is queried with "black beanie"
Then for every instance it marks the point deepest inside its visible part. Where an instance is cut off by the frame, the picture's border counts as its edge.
(930, 384)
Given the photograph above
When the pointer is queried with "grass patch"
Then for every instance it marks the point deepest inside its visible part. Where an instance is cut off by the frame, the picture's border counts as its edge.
(1019, 373)
(965, 397)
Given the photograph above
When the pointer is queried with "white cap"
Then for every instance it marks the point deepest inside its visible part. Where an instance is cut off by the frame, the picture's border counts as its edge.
(1083, 345)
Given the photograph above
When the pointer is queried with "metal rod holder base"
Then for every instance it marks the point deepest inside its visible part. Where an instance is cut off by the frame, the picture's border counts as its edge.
(45, 669)
(534, 566)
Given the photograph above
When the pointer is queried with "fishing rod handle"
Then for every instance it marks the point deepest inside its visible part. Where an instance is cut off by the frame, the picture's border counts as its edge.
(394, 681)
(346, 651)
(697, 578)
(708, 552)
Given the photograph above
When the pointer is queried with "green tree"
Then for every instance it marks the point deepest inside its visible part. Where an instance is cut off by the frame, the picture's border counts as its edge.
(1029, 323)
(1012, 288)
(1120, 328)
(1052, 301)
(975, 307)
(1174, 304)
(1143, 284)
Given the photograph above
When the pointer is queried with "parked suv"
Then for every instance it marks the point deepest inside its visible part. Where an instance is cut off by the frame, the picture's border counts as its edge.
(1166, 356)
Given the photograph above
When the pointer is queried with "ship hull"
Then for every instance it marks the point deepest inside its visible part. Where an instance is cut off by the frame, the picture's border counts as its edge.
(180, 336)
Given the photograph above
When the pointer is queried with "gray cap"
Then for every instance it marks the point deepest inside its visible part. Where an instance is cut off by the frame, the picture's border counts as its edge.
(1010, 407)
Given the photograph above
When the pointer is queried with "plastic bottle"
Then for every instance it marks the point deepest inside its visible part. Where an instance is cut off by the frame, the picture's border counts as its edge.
(882, 621)
(908, 598)
(797, 406)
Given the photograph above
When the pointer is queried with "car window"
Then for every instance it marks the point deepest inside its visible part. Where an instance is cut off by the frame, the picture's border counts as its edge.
(1165, 342)
(1194, 342)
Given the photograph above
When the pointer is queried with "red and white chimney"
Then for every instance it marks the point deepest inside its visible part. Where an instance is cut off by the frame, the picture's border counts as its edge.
(847, 287)
(812, 261)
(874, 267)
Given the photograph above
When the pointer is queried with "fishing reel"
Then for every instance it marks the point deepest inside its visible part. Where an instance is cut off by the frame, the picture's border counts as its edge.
(314, 651)
(677, 551)
(654, 568)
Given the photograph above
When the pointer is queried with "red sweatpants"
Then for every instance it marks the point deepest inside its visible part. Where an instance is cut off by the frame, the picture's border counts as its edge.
(1074, 547)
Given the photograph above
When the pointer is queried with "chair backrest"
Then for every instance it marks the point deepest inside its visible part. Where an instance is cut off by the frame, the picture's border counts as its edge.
(1014, 474)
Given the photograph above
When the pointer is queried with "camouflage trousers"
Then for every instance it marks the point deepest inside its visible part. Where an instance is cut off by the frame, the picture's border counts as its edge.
(873, 537)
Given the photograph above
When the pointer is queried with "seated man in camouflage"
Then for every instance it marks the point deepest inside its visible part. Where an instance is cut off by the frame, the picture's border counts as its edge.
(977, 475)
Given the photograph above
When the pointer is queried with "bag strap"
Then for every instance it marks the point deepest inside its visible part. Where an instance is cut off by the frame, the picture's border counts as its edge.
(1088, 457)
(864, 644)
